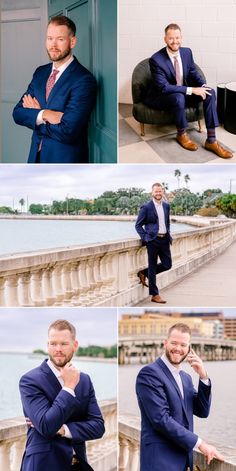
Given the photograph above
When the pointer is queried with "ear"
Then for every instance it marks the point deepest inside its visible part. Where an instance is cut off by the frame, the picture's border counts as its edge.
(76, 345)
(73, 42)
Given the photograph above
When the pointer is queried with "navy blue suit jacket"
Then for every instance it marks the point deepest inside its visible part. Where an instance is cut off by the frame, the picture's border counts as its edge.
(49, 407)
(147, 224)
(73, 94)
(167, 437)
(163, 74)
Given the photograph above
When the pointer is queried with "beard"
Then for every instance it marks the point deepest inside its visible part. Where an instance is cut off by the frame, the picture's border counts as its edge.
(59, 55)
(169, 356)
(60, 362)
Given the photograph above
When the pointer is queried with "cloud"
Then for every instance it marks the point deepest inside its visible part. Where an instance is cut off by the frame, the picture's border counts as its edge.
(44, 183)
(24, 329)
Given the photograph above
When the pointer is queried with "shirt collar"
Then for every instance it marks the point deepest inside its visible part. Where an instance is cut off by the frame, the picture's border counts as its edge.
(63, 67)
(56, 372)
(172, 54)
(173, 369)
(156, 202)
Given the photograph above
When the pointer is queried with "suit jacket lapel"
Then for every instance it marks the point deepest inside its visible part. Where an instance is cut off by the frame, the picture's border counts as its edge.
(63, 78)
(171, 378)
(41, 92)
(54, 386)
(169, 64)
(183, 64)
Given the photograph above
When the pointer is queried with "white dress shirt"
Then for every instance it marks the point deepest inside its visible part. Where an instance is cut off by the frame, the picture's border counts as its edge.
(60, 69)
(161, 216)
(175, 372)
(57, 373)
(178, 57)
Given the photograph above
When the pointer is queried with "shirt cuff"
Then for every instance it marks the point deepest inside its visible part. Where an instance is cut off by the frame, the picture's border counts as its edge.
(39, 119)
(69, 390)
(189, 91)
(205, 381)
(67, 431)
(199, 442)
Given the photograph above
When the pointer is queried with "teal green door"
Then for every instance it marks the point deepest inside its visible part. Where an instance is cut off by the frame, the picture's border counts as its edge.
(96, 22)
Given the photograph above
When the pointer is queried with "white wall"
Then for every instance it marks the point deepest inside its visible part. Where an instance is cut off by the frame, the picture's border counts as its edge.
(208, 27)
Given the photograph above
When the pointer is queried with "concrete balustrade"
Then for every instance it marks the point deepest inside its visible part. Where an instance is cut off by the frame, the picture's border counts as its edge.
(102, 274)
(129, 449)
(102, 453)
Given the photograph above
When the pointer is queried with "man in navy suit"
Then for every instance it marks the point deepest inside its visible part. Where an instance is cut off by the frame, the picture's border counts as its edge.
(177, 84)
(60, 407)
(58, 101)
(153, 226)
(168, 401)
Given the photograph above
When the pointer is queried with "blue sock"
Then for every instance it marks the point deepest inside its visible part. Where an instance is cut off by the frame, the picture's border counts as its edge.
(180, 131)
(211, 135)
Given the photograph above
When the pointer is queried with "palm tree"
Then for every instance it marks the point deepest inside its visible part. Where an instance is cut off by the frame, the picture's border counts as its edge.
(178, 175)
(186, 179)
(22, 203)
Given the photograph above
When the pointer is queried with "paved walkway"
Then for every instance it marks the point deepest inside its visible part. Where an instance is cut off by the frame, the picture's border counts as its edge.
(212, 285)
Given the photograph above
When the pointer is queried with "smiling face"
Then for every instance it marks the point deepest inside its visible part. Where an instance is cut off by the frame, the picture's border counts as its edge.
(157, 192)
(173, 39)
(61, 347)
(177, 346)
(59, 43)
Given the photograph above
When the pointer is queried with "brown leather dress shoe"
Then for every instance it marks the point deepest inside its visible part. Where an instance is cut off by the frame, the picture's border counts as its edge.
(185, 142)
(142, 278)
(158, 299)
(218, 150)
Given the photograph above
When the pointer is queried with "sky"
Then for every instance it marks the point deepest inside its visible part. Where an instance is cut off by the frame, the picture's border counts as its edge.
(25, 329)
(43, 183)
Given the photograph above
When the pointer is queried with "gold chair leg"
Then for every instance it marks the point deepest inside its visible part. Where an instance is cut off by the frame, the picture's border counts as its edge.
(199, 125)
(142, 129)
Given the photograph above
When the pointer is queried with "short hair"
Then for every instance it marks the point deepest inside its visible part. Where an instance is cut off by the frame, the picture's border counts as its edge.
(62, 324)
(184, 328)
(171, 26)
(157, 184)
(62, 20)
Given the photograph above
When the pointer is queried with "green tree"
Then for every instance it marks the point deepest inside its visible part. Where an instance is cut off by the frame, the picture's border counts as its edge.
(22, 203)
(186, 179)
(178, 175)
(36, 208)
(227, 205)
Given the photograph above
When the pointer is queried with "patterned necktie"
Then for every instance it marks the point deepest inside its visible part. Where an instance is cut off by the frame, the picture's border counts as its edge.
(177, 71)
(51, 82)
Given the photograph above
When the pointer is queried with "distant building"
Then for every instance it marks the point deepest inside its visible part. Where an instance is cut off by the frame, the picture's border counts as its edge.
(158, 323)
(230, 327)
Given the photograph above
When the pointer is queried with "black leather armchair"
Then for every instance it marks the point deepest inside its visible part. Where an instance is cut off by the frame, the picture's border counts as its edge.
(141, 81)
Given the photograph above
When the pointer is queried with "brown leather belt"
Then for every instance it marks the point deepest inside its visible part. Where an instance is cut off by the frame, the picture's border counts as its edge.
(161, 235)
(75, 460)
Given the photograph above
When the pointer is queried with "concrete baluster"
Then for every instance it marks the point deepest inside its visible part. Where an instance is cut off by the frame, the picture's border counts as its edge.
(57, 284)
(18, 450)
(24, 290)
(66, 282)
(83, 283)
(5, 449)
(133, 463)
(2, 292)
(11, 290)
(123, 453)
(47, 289)
(36, 288)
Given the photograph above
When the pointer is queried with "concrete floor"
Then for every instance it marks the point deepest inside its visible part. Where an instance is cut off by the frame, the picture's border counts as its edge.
(213, 285)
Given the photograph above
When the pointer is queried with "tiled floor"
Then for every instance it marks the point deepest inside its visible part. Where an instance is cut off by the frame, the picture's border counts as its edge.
(159, 144)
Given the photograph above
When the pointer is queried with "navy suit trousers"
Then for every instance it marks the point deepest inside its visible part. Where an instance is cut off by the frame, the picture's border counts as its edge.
(177, 102)
(157, 248)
